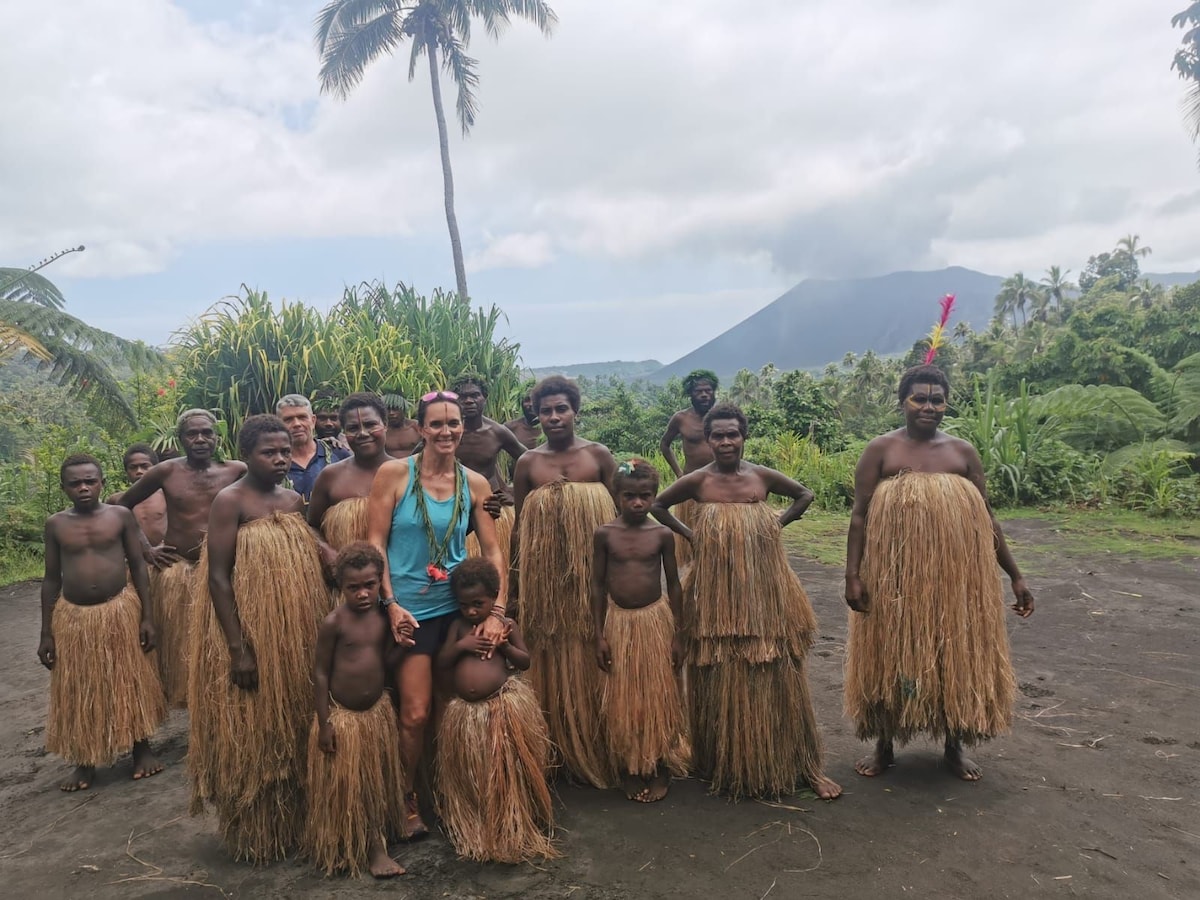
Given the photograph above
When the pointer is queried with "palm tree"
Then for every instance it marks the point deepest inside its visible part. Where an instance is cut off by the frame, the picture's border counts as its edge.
(1034, 340)
(1128, 246)
(1145, 294)
(351, 34)
(33, 326)
(1057, 287)
(1016, 293)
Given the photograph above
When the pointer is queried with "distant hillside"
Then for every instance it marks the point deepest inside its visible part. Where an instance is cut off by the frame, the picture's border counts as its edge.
(618, 367)
(818, 321)
(1173, 279)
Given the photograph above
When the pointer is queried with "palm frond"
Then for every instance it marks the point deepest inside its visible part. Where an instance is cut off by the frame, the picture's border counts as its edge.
(420, 44)
(49, 324)
(462, 69)
(354, 40)
(1123, 456)
(23, 286)
(456, 14)
(89, 379)
(339, 15)
(1101, 416)
(15, 341)
(536, 11)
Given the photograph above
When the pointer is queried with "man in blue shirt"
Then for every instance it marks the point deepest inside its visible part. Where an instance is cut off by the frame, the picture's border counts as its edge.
(309, 456)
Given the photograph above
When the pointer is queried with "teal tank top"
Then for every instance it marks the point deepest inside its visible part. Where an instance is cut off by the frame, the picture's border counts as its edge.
(408, 549)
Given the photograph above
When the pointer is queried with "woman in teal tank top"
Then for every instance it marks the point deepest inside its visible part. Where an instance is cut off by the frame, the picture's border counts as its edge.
(417, 515)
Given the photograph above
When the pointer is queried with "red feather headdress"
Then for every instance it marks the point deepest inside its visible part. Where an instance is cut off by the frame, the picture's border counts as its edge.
(937, 337)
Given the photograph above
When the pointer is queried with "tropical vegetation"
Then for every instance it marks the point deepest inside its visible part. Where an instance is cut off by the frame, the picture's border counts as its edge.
(35, 327)
(1083, 393)
(1187, 63)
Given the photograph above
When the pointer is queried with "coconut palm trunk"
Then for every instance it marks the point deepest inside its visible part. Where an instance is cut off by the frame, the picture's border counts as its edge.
(460, 269)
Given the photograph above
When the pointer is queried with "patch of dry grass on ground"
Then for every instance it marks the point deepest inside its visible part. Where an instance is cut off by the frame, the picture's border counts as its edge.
(1032, 533)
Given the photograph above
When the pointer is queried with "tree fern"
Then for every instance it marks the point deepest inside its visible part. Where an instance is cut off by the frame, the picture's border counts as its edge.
(1101, 416)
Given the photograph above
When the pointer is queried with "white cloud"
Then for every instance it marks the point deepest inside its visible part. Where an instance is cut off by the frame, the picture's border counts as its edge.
(823, 138)
(513, 251)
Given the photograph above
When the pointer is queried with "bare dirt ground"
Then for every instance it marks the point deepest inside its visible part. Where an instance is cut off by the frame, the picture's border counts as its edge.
(1094, 793)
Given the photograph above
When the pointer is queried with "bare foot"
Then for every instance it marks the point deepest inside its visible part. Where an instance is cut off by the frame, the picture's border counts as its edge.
(145, 763)
(634, 786)
(80, 780)
(414, 827)
(959, 764)
(825, 788)
(656, 787)
(379, 863)
(878, 762)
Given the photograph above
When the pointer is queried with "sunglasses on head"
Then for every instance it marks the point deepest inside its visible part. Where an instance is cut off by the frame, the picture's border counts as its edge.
(436, 395)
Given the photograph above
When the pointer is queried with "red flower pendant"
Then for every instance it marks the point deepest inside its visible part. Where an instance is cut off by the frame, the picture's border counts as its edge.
(436, 572)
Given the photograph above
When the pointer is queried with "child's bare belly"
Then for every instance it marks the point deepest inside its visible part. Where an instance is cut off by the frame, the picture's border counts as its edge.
(478, 679)
(356, 692)
(95, 586)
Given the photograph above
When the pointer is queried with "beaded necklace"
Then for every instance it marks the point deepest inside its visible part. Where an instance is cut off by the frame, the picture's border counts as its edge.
(436, 570)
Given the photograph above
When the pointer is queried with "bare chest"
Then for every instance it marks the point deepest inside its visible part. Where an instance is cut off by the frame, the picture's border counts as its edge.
(574, 465)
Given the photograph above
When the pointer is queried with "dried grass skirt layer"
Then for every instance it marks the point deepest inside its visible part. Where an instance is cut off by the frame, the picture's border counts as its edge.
(641, 706)
(558, 521)
(493, 796)
(172, 593)
(754, 731)
(742, 601)
(747, 625)
(356, 793)
(504, 528)
(104, 691)
(567, 683)
(345, 522)
(932, 654)
(247, 748)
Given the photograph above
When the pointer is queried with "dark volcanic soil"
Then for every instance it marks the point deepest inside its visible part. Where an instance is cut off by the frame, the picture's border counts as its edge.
(1094, 793)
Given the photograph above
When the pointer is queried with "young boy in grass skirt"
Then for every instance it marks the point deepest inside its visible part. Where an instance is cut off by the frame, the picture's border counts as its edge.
(338, 506)
(355, 785)
(493, 747)
(637, 645)
(927, 651)
(187, 486)
(97, 632)
(562, 495)
(747, 624)
(262, 596)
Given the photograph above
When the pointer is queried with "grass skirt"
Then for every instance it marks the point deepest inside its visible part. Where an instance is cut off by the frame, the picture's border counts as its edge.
(247, 748)
(356, 793)
(931, 656)
(345, 522)
(172, 592)
(747, 625)
(641, 707)
(558, 521)
(493, 797)
(104, 691)
(504, 527)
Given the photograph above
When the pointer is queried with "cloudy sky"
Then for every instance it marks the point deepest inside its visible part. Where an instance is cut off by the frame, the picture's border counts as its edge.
(635, 185)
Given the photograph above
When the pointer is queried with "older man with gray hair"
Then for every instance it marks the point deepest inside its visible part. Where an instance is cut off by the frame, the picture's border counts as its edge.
(309, 456)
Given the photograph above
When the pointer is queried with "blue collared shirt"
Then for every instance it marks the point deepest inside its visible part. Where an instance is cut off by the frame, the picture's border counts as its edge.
(302, 478)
